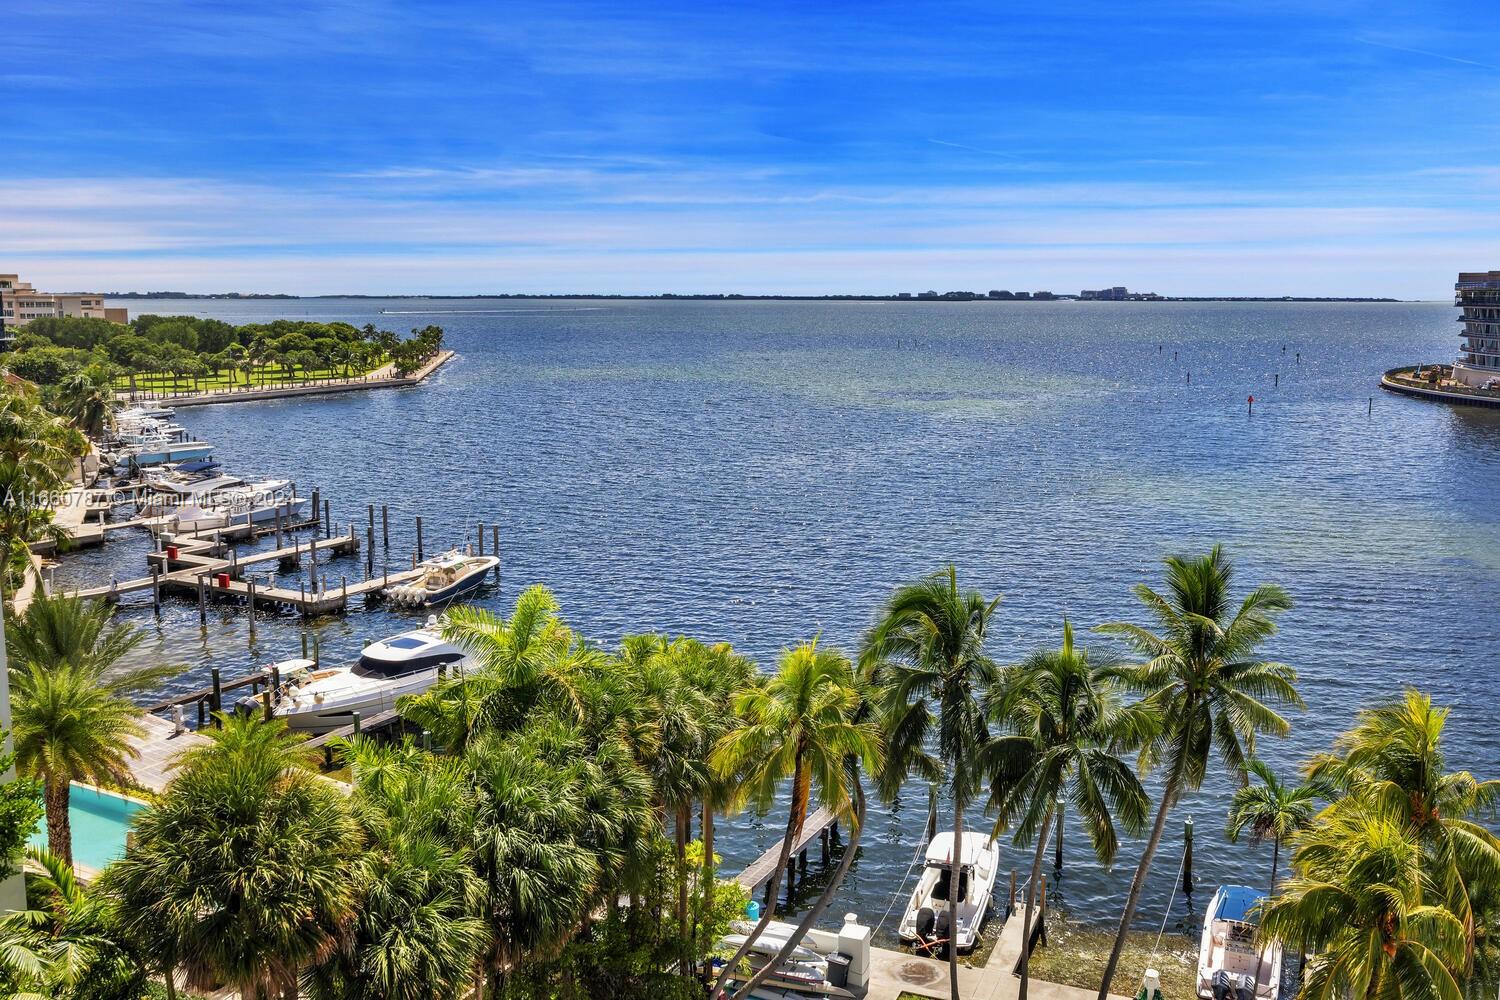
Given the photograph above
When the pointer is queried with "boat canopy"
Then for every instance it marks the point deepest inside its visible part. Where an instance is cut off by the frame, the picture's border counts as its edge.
(940, 850)
(1237, 902)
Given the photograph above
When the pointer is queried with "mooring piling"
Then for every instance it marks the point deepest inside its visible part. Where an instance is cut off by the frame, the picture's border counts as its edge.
(419, 538)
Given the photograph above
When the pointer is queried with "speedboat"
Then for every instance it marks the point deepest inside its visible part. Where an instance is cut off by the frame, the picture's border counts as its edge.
(314, 698)
(930, 914)
(443, 578)
(1231, 965)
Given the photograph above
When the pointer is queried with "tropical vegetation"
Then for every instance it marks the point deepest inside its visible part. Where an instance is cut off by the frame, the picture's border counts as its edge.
(537, 839)
(74, 357)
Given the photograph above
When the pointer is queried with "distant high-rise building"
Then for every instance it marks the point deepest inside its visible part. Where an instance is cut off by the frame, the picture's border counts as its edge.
(1477, 293)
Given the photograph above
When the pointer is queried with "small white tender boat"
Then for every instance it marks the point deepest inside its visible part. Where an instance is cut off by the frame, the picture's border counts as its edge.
(930, 914)
(1230, 964)
(804, 973)
(443, 578)
(316, 699)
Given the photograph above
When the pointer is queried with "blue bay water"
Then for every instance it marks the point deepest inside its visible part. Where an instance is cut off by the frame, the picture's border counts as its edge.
(763, 472)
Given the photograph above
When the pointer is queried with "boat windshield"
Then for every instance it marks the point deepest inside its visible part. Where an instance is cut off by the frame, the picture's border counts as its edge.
(940, 891)
(372, 666)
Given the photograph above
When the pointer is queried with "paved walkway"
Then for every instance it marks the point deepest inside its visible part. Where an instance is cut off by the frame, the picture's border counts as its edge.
(895, 972)
(157, 749)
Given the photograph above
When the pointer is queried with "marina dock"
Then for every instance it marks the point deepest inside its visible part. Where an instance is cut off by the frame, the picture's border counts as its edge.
(207, 566)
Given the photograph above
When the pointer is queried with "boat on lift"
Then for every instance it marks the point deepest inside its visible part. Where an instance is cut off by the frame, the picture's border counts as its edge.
(932, 921)
(315, 698)
(1232, 965)
(443, 578)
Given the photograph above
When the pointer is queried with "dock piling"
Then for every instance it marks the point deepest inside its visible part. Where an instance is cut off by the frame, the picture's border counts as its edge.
(1187, 855)
(250, 607)
(385, 525)
(202, 602)
(481, 538)
(419, 538)
(216, 697)
(156, 589)
(495, 548)
(355, 721)
(327, 522)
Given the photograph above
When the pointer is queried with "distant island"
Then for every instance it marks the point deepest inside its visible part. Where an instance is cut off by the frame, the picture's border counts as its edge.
(735, 296)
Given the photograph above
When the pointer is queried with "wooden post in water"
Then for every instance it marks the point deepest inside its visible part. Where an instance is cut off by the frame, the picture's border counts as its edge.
(250, 608)
(316, 657)
(385, 525)
(419, 538)
(327, 522)
(370, 548)
(372, 521)
(315, 508)
(1057, 858)
(1010, 906)
(481, 538)
(265, 698)
(216, 698)
(202, 602)
(1187, 855)
(304, 645)
(355, 720)
(495, 548)
(156, 589)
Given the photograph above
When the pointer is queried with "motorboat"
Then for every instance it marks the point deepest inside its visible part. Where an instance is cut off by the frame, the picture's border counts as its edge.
(195, 518)
(158, 451)
(163, 495)
(930, 914)
(316, 698)
(1232, 965)
(443, 578)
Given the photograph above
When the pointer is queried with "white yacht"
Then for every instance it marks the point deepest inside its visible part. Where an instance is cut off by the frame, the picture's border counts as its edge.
(316, 699)
(443, 578)
(1231, 966)
(929, 919)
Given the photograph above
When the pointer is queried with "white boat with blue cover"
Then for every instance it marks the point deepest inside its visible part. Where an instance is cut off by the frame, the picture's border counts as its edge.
(1232, 965)
(443, 578)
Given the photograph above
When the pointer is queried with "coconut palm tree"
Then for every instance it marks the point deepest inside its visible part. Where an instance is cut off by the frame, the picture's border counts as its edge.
(419, 928)
(801, 725)
(1203, 677)
(531, 659)
(927, 657)
(73, 719)
(1359, 900)
(1271, 811)
(37, 453)
(1391, 764)
(1062, 727)
(244, 824)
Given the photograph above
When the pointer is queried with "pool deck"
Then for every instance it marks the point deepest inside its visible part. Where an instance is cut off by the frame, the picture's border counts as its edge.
(157, 749)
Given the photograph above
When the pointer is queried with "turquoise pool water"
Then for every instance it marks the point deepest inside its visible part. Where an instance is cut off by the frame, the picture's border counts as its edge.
(100, 821)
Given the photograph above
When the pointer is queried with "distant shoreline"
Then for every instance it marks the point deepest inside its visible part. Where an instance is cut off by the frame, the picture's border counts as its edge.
(727, 297)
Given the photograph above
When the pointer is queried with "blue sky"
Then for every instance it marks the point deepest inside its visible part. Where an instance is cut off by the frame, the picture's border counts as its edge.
(1191, 148)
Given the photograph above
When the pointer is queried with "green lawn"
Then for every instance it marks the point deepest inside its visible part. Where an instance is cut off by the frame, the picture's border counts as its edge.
(224, 378)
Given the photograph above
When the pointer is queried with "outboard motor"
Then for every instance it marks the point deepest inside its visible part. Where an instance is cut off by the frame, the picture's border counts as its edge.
(926, 921)
(1229, 986)
(943, 932)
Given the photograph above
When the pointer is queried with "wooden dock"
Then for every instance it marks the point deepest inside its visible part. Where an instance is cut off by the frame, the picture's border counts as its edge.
(208, 567)
(821, 825)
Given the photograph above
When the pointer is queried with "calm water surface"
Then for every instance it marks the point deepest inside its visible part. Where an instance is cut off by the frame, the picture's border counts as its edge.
(765, 472)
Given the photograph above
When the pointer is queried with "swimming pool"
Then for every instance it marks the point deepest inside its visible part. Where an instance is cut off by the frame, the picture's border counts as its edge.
(100, 820)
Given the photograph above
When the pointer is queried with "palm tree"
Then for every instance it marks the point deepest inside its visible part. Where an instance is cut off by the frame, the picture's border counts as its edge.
(72, 947)
(73, 719)
(800, 726)
(927, 657)
(1202, 677)
(1063, 725)
(246, 865)
(1358, 900)
(419, 928)
(88, 401)
(531, 659)
(539, 878)
(1271, 811)
(1392, 765)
